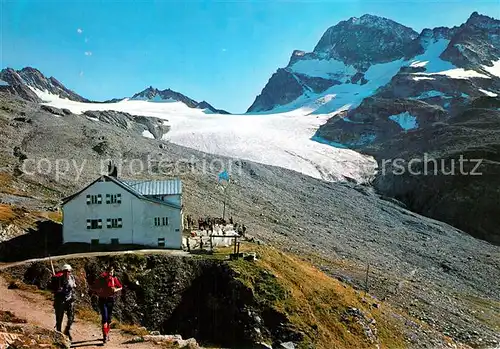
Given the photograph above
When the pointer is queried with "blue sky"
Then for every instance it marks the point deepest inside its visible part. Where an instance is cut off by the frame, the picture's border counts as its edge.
(222, 52)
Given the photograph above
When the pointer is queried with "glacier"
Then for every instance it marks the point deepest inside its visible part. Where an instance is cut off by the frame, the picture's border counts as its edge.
(405, 120)
(280, 139)
(494, 70)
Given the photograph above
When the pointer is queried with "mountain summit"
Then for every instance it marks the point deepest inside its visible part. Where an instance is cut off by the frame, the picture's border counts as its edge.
(23, 83)
(155, 95)
(360, 55)
(366, 40)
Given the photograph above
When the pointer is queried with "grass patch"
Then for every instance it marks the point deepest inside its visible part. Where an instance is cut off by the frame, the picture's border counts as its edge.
(24, 219)
(134, 330)
(14, 283)
(88, 314)
(313, 302)
(7, 316)
(485, 310)
(7, 213)
(55, 216)
(8, 185)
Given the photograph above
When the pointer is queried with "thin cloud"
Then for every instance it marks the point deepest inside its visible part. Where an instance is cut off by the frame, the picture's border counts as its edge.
(224, 50)
(81, 73)
(79, 30)
(88, 53)
(86, 40)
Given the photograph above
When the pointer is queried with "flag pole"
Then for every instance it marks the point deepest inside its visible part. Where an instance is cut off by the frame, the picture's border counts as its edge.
(224, 209)
(225, 200)
(224, 175)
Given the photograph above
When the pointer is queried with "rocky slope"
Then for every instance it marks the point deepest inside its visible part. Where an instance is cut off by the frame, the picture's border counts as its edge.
(276, 299)
(433, 271)
(457, 159)
(446, 115)
(396, 94)
(154, 127)
(34, 79)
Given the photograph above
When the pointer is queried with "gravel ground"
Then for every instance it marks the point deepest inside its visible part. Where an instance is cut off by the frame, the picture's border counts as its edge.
(441, 276)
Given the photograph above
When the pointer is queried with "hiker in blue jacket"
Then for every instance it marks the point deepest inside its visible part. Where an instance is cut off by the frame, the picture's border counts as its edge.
(63, 286)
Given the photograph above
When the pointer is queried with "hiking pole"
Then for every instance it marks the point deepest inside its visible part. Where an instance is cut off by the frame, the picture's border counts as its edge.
(52, 265)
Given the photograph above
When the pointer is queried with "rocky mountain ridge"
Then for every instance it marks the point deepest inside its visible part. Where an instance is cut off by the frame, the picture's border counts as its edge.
(364, 41)
(361, 50)
(25, 80)
(443, 105)
(396, 94)
(29, 82)
(156, 95)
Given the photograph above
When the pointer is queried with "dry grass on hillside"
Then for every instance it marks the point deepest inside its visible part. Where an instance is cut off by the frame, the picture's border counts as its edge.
(7, 316)
(25, 219)
(7, 213)
(8, 185)
(134, 330)
(5, 180)
(316, 303)
(487, 310)
(55, 216)
(22, 218)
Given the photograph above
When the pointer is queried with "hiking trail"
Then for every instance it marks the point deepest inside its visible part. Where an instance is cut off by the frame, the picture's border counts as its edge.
(39, 311)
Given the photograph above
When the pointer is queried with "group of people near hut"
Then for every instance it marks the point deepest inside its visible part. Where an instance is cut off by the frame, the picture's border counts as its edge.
(63, 285)
(209, 223)
(206, 223)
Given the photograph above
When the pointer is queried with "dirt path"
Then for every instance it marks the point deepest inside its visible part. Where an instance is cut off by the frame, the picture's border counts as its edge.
(56, 259)
(38, 310)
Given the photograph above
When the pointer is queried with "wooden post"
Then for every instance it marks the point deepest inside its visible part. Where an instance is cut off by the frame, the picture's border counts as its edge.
(225, 199)
(238, 249)
(211, 243)
(235, 242)
(366, 278)
(224, 209)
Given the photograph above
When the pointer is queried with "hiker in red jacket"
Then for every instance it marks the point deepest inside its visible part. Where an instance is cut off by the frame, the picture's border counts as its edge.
(106, 286)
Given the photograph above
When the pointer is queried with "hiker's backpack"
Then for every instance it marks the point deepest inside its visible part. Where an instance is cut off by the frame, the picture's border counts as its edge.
(55, 282)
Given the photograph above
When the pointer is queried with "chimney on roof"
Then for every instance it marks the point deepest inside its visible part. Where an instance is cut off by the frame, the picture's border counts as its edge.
(112, 170)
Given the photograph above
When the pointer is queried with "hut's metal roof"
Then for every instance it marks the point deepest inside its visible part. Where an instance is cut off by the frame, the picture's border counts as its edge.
(141, 189)
(154, 188)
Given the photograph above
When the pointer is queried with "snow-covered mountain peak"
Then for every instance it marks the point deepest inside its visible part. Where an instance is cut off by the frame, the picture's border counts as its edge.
(152, 94)
(29, 83)
(155, 95)
(360, 55)
(28, 76)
